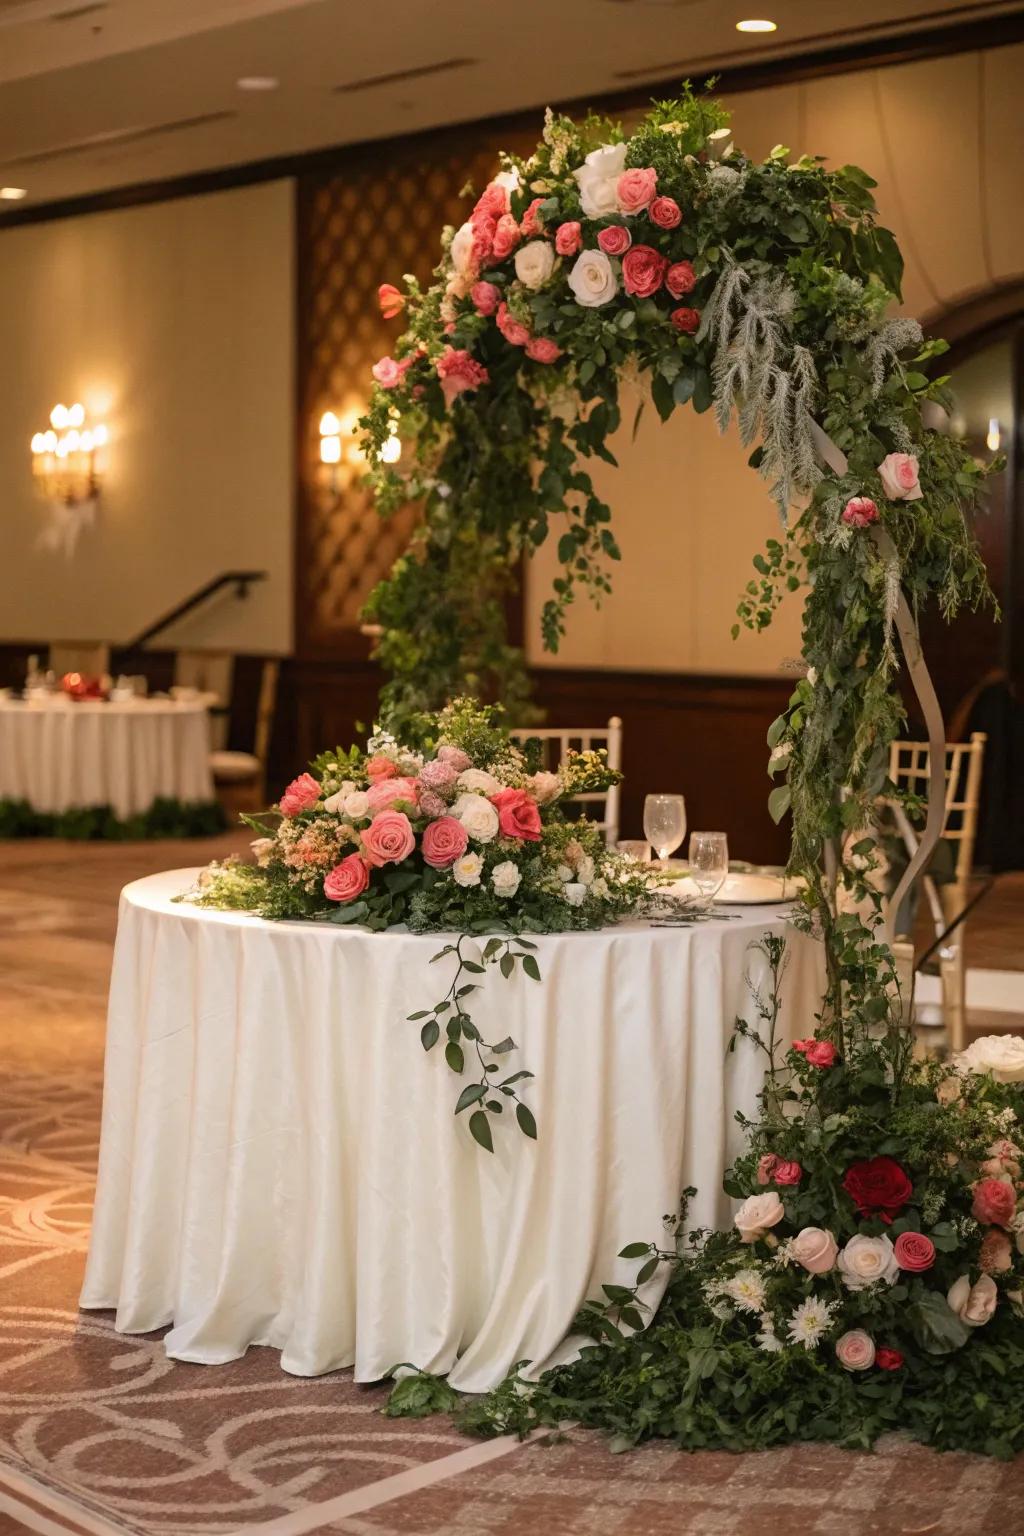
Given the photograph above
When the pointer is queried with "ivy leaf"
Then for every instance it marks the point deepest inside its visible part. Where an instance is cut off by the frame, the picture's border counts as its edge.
(779, 802)
(429, 1034)
(507, 964)
(527, 1124)
(661, 394)
(635, 1251)
(469, 1095)
(531, 967)
(454, 1056)
(480, 1129)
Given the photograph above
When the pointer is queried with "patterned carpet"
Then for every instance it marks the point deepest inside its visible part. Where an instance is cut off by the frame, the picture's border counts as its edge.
(100, 1433)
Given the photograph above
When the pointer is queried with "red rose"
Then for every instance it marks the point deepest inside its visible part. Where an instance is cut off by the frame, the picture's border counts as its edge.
(787, 1172)
(822, 1053)
(685, 320)
(888, 1359)
(518, 815)
(615, 239)
(531, 223)
(680, 278)
(878, 1186)
(666, 213)
(643, 271)
(994, 1202)
(914, 1252)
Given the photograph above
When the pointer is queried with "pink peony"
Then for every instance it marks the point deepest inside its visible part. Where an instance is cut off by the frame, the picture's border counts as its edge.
(514, 332)
(531, 223)
(485, 297)
(438, 774)
(506, 237)
(431, 803)
(635, 188)
(518, 815)
(685, 320)
(381, 767)
(568, 238)
(914, 1252)
(643, 271)
(543, 350)
(859, 512)
(994, 1202)
(665, 212)
(855, 1351)
(615, 239)
(458, 372)
(995, 1255)
(444, 841)
(301, 795)
(459, 759)
(388, 792)
(898, 473)
(680, 279)
(815, 1250)
(389, 372)
(492, 202)
(388, 839)
(390, 300)
(348, 879)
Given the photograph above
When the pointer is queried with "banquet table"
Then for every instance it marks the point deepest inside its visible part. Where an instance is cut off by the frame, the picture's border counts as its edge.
(58, 753)
(280, 1164)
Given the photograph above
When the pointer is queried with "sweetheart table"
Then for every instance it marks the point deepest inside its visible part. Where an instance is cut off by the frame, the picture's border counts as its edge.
(280, 1164)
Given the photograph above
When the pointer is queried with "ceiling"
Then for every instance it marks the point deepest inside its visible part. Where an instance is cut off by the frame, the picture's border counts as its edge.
(99, 94)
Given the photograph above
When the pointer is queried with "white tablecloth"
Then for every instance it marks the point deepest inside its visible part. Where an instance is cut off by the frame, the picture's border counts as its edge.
(61, 754)
(280, 1164)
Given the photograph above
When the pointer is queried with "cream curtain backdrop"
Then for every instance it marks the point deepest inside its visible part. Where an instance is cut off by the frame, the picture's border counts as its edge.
(280, 1164)
(61, 755)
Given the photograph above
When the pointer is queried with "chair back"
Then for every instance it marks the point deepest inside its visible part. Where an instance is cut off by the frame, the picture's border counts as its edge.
(908, 769)
(558, 742)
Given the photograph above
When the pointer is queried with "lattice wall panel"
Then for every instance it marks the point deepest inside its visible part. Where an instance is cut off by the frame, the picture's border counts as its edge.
(378, 217)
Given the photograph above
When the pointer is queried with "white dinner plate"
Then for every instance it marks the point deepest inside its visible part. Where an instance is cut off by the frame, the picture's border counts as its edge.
(740, 890)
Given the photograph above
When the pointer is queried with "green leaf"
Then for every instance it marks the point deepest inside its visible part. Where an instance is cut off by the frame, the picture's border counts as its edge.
(635, 1251)
(507, 964)
(527, 1124)
(504, 1046)
(779, 802)
(429, 1034)
(454, 1056)
(469, 1095)
(531, 967)
(935, 1325)
(480, 1129)
(661, 394)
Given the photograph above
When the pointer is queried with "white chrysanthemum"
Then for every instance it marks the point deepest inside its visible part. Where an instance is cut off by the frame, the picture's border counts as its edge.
(768, 1339)
(505, 878)
(810, 1322)
(746, 1290)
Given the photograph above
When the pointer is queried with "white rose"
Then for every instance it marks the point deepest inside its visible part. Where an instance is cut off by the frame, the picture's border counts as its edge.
(1002, 1055)
(462, 250)
(866, 1261)
(597, 178)
(478, 816)
(476, 779)
(534, 263)
(585, 870)
(357, 805)
(757, 1214)
(334, 802)
(545, 787)
(508, 179)
(467, 869)
(505, 878)
(592, 279)
(574, 893)
(973, 1304)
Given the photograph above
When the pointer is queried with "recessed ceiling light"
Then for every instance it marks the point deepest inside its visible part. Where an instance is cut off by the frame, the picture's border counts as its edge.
(258, 83)
(13, 194)
(756, 26)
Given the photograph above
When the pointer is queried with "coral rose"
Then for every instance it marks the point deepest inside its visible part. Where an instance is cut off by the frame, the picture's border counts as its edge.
(665, 212)
(543, 350)
(685, 320)
(531, 222)
(914, 1252)
(513, 330)
(994, 1202)
(388, 839)
(301, 795)
(995, 1255)
(506, 237)
(444, 841)
(569, 237)
(518, 815)
(888, 1359)
(820, 1053)
(635, 188)
(390, 300)
(493, 201)
(615, 239)
(680, 279)
(859, 512)
(878, 1186)
(898, 474)
(756, 1215)
(378, 768)
(766, 1167)
(485, 297)
(389, 792)
(348, 879)
(787, 1172)
(814, 1249)
(643, 271)
(855, 1351)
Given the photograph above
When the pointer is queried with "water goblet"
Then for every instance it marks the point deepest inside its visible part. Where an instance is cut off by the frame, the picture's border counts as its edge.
(709, 863)
(664, 823)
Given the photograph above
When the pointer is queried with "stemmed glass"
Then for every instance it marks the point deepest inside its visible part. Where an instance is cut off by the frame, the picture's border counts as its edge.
(709, 863)
(664, 823)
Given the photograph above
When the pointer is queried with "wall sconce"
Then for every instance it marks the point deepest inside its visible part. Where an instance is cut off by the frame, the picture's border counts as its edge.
(67, 468)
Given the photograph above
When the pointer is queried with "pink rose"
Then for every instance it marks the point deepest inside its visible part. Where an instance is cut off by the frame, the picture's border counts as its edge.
(568, 238)
(381, 768)
(532, 223)
(388, 839)
(685, 320)
(994, 1202)
(859, 512)
(348, 879)
(390, 300)
(438, 774)
(855, 1351)
(787, 1172)
(481, 247)
(492, 202)
(514, 332)
(756, 1215)
(820, 1053)
(506, 237)
(643, 271)
(680, 279)
(898, 474)
(389, 792)
(635, 188)
(518, 815)
(444, 841)
(543, 350)
(914, 1252)
(301, 795)
(459, 760)
(665, 212)
(389, 372)
(458, 372)
(815, 1250)
(615, 239)
(485, 297)
(766, 1168)
(995, 1255)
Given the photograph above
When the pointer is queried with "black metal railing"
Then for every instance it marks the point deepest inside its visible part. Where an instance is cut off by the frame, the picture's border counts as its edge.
(240, 580)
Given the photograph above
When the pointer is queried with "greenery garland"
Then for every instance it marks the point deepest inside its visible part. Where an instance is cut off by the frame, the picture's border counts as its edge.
(98, 823)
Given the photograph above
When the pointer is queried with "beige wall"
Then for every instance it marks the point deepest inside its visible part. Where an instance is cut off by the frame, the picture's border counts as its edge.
(945, 141)
(174, 323)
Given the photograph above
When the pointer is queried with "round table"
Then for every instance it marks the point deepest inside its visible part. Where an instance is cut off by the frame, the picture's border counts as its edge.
(280, 1164)
(60, 754)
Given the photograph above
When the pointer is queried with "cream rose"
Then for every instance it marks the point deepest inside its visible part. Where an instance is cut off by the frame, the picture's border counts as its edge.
(467, 870)
(534, 263)
(357, 805)
(973, 1304)
(476, 779)
(757, 1214)
(544, 787)
(462, 250)
(478, 816)
(814, 1249)
(898, 474)
(334, 802)
(868, 1261)
(1002, 1055)
(592, 279)
(574, 893)
(855, 1351)
(505, 878)
(598, 177)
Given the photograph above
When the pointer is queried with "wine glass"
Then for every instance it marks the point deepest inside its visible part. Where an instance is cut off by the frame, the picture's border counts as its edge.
(709, 863)
(665, 823)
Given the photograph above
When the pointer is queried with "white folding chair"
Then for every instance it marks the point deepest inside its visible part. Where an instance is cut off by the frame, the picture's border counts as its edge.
(558, 742)
(908, 769)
